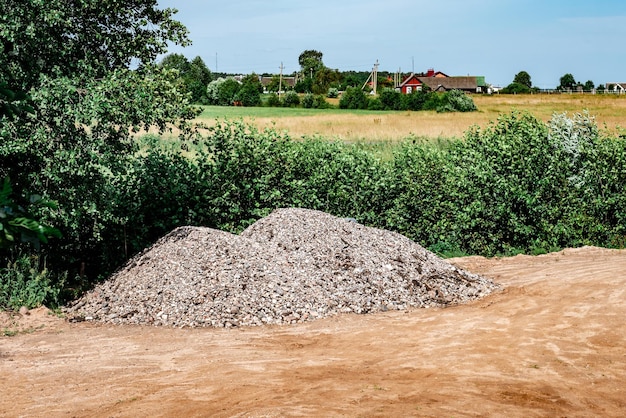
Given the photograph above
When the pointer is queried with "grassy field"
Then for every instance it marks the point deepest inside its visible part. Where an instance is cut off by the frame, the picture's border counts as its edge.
(375, 126)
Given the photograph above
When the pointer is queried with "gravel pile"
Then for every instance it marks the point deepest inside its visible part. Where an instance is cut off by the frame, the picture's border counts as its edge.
(293, 266)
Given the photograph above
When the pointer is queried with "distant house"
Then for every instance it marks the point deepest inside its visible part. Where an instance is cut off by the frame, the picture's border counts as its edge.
(618, 88)
(288, 82)
(438, 81)
(431, 73)
(410, 84)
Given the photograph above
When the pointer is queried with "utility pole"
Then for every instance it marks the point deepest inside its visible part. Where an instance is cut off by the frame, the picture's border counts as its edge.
(280, 81)
(375, 77)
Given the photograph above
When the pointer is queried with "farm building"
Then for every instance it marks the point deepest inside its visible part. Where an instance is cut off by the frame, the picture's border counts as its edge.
(286, 81)
(438, 81)
(618, 88)
(410, 84)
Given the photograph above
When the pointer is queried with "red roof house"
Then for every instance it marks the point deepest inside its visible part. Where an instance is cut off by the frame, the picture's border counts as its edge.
(410, 84)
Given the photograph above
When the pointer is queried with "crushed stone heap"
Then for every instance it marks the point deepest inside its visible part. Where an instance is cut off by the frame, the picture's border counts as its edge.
(295, 265)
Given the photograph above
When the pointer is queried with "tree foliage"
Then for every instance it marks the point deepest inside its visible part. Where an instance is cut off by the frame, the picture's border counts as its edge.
(516, 88)
(589, 85)
(87, 38)
(521, 84)
(353, 98)
(250, 92)
(195, 75)
(567, 82)
(74, 106)
(523, 78)
(310, 62)
(324, 79)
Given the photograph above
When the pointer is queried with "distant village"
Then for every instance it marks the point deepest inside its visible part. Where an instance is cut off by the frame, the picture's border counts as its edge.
(406, 84)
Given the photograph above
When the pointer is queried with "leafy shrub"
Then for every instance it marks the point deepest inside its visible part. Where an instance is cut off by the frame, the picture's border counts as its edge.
(273, 100)
(313, 101)
(17, 225)
(434, 101)
(319, 102)
(391, 99)
(416, 100)
(308, 101)
(423, 183)
(353, 98)
(304, 85)
(374, 104)
(513, 187)
(333, 93)
(291, 99)
(223, 91)
(25, 283)
(516, 88)
(457, 101)
(248, 95)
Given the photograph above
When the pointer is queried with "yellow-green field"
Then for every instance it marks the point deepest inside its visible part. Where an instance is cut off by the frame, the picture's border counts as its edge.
(609, 111)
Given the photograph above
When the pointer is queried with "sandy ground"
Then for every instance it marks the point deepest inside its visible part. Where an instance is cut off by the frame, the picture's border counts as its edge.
(552, 344)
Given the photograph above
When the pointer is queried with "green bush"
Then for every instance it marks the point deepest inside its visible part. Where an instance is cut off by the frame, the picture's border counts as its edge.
(308, 101)
(223, 91)
(25, 282)
(457, 101)
(248, 95)
(17, 225)
(416, 100)
(516, 88)
(422, 183)
(353, 98)
(291, 99)
(512, 188)
(391, 100)
(273, 100)
(319, 102)
(374, 104)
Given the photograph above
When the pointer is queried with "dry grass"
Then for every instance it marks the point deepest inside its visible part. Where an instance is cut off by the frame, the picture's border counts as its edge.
(350, 126)
(608, 109)
(374, 127)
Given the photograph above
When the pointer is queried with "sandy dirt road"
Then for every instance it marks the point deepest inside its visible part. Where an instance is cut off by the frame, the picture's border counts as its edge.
(552, 344)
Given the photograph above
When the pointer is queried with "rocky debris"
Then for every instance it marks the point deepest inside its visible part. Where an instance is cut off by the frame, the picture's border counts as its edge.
(293, 266)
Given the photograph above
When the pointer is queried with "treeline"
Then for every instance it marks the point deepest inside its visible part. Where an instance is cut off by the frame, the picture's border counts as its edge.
(248, 92)
(519, 186)
(196, 80)
(389, 99)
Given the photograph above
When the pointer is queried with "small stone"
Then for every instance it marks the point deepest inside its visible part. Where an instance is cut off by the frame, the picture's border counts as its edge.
(24, 311)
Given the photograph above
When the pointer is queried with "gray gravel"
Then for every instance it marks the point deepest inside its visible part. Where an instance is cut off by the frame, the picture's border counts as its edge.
(293, 266)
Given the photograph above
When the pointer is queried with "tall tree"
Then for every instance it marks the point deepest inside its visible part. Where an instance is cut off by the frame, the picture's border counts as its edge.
(523, 78)
(567, 82)
(176, 62)
(310, 61)
(69, 134)
(324, 78)
(195, 75)
(589, 85)
(521, 84)
(71, 37)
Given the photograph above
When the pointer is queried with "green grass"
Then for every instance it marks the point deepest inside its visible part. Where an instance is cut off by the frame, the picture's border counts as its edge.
(236, 112)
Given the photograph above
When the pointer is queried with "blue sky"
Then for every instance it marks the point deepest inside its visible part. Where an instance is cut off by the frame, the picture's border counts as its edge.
(494, 38)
